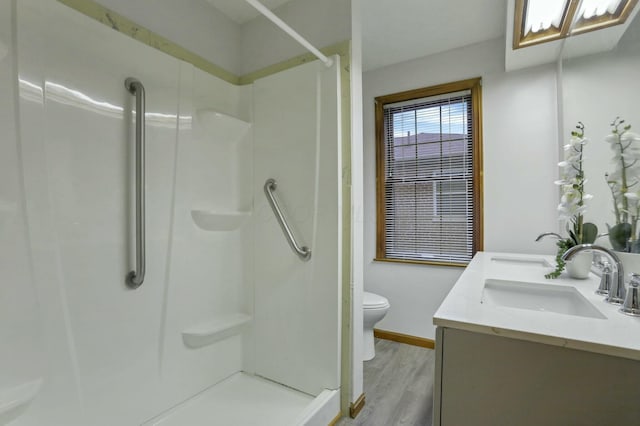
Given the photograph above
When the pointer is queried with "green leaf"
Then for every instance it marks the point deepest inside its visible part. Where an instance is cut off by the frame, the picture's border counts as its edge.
(574, 239)
(619, 235)
(563, 246)
(589, 233)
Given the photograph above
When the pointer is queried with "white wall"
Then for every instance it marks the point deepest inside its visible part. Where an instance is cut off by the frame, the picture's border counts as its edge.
(520, 156)
(192, 24)
(357, 200)
(322, 23)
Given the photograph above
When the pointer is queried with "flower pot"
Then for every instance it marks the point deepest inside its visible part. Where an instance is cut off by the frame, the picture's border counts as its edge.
(580, 265)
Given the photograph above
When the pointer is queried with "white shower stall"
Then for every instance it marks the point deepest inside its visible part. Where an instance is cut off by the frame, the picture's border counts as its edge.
(230, 326)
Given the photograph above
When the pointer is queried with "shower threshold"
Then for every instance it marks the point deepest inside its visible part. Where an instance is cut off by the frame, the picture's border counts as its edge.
(246, 400)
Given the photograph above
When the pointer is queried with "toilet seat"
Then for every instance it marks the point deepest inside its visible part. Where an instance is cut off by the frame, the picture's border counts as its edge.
(374, 301)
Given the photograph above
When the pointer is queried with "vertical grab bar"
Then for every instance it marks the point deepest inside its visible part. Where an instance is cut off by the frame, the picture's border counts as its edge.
(135, 278)
(303, 252)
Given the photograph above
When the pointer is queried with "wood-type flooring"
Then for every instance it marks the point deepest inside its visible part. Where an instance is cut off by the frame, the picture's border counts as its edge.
(398, 387)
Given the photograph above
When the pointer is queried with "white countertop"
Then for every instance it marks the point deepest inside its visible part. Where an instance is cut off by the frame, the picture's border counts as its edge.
(617, 334)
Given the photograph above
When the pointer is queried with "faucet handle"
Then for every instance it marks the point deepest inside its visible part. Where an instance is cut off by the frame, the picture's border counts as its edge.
(617, 291)
(605, 279)
(631, 305)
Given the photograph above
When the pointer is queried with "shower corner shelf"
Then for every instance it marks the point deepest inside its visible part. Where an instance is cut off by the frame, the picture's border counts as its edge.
(219, 221)
(14, 401)
(221, 126)
(214, 330)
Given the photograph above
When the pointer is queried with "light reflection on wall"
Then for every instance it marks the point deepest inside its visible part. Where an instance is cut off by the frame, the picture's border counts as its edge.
(64, 95)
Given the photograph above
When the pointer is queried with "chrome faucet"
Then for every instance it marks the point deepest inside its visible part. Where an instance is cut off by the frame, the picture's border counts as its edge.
(617, 291)
(548, 234)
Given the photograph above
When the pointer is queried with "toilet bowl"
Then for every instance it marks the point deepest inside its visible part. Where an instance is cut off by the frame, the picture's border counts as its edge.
(374, 308)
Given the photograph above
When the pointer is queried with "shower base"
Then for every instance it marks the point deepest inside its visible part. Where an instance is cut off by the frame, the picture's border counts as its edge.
(246, 400)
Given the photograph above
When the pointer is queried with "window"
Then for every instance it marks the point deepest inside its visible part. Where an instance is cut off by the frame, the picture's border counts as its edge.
(429, 157)
(449, 200)
(540, 21)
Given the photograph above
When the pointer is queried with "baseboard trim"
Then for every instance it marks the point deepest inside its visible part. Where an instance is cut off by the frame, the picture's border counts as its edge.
(356, 407)
(335, 419)
(404, 338)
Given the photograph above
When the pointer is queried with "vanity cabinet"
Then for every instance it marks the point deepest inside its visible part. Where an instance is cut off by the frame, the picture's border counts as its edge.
(484, 379)
(516, 349)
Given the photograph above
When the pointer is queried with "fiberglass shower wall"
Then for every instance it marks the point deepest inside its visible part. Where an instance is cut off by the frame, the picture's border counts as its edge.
(22, 354)
(296, 127)
(108, 355)
(79, 348)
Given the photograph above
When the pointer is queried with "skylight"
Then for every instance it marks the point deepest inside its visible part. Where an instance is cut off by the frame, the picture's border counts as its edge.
(541, 15)
(539, 21)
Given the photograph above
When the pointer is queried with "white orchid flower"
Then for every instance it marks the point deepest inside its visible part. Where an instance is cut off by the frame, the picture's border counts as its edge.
(612, 139)
(630, 137)
(623, 182)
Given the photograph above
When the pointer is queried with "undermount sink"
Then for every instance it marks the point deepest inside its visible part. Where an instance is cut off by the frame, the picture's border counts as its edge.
(538, 297)
(521, 261)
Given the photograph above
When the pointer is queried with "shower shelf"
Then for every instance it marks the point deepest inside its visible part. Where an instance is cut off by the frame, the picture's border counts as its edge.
(219, 221)
(214, 330)
(14, 401)
(220, 126)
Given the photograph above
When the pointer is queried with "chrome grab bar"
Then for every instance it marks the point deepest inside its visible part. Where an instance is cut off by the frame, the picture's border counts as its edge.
(303, 252)
(135, 278)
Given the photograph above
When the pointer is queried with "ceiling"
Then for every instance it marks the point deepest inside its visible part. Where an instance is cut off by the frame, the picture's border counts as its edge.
(399, 30)
(395, 31)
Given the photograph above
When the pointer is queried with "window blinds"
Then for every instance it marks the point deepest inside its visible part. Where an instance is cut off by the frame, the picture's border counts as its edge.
(428, 179)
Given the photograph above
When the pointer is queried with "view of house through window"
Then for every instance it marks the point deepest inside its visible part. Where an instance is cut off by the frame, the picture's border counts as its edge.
(428, 174)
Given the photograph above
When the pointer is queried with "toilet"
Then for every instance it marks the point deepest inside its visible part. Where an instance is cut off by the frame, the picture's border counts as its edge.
(374, 308)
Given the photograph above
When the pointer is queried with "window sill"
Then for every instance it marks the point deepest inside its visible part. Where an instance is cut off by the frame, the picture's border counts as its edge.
(421, 262)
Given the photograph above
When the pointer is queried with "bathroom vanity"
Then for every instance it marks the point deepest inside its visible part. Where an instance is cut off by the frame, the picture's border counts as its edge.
(513, 348)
